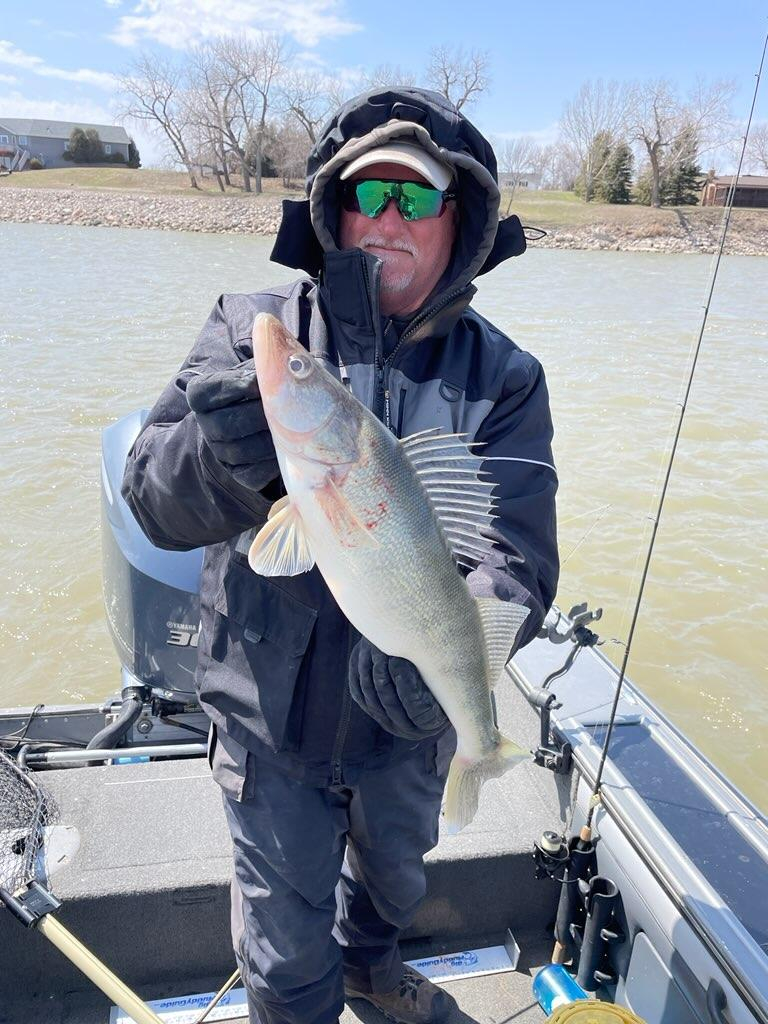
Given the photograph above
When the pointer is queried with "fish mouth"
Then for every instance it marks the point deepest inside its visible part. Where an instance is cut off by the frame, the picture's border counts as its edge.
(272, 345)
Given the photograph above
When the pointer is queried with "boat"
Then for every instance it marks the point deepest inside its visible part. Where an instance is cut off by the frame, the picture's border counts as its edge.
(660, 908)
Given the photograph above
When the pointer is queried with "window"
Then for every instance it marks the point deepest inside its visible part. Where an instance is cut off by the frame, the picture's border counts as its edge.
(4, 140)
(107, 148)
(23, 140)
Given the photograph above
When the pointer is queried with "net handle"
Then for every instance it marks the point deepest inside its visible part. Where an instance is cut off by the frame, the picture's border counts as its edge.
(98, 972)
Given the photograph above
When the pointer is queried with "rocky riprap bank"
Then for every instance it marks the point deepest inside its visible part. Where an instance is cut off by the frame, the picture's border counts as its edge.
(692, 230)
(93, 208)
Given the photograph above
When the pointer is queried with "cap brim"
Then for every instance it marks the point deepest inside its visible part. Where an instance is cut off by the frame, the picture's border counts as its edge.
(412, 157)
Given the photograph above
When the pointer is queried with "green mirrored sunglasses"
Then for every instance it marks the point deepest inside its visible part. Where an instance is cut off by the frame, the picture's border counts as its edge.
(414, 200)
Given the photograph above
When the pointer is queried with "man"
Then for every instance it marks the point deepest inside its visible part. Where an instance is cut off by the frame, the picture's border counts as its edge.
(332, 757)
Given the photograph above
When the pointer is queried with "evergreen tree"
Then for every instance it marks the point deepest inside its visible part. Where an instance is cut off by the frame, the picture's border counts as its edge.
(134, 159)
(682, 182)
(78, 146)
(96, 152)
(593, 166)
(613, 185)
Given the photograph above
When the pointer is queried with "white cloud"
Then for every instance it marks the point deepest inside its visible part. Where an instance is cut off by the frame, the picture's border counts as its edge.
(10, 54)
(9, 79)
(182, 23)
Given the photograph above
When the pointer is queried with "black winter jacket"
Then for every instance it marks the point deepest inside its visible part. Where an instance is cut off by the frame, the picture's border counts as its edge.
(273, 653)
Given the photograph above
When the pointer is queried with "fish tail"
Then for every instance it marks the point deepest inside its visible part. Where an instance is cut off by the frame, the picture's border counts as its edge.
(467, 775)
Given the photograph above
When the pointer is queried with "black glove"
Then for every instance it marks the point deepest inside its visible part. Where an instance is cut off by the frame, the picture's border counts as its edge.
(393, 693)
(231, 418)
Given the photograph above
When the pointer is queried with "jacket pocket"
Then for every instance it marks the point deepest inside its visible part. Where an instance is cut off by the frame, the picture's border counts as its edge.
(259, 639)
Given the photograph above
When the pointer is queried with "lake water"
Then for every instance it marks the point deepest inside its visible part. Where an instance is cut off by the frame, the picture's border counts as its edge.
(95, 321)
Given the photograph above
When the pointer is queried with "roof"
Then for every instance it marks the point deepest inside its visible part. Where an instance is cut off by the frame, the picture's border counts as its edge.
(61, 129)
(745, 181)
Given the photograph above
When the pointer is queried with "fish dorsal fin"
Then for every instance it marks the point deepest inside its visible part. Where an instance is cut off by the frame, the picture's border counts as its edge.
(501, 623)
(450, 473)
(280, 548)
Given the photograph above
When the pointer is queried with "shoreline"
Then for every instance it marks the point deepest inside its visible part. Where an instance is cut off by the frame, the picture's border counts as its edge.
(690, 230)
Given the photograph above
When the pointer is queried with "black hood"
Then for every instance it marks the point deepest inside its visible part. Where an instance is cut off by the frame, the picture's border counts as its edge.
(308, 229)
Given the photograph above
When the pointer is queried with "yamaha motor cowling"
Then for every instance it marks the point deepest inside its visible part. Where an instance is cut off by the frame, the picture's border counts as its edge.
(150, 595)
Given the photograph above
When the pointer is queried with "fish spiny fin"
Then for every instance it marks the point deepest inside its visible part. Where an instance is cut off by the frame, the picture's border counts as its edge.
(280, 547)
(450, 472)
(501, 622)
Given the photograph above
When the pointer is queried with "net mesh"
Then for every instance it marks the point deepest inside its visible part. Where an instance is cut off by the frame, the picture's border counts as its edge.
(26, 809)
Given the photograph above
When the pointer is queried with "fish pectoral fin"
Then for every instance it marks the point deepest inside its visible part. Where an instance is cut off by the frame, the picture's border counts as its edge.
(501, 622)
(279, 505)
(349, 530)
(281, 547)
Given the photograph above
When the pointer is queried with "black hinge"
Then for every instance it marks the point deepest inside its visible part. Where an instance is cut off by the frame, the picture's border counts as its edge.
(30, 906)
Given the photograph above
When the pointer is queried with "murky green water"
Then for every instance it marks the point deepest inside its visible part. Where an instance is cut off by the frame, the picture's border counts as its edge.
(95, 321)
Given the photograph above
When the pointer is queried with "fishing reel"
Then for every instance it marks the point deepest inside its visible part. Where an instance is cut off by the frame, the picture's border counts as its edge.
(550, 855)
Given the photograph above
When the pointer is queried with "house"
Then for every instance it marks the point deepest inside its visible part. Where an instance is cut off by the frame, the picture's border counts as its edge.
(752, 190)
(22, 138)
(523, 179)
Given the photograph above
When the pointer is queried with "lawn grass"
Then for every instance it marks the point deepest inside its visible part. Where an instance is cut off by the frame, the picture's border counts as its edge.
(125, 179)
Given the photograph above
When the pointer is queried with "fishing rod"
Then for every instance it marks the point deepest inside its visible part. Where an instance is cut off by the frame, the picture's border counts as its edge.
(586, 832)
(578, 861)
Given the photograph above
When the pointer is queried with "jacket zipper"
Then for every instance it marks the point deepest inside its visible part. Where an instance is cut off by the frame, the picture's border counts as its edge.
(401, 411)
(385, 365)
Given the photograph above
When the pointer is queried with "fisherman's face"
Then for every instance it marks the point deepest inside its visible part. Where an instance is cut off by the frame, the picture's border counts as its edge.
(414, 253)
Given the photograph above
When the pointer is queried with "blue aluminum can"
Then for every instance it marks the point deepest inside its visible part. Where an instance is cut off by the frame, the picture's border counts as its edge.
(553, 986)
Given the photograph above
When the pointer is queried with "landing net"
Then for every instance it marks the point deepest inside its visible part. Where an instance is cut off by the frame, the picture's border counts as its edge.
(25, 811)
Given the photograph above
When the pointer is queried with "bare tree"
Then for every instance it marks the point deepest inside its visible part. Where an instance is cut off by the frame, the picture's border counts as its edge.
(232, 85)
(153, 91)
(306, 95)
(459, 78)
(597, 107)
(662, 124)
(261, 64)
(289, 147)
(390, 74)
(757, 147)
(515, 157)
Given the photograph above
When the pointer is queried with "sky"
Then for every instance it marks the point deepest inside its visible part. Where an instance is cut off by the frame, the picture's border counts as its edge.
(57, 59)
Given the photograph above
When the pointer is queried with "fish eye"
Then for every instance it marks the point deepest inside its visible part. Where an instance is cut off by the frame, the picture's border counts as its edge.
(299, 366)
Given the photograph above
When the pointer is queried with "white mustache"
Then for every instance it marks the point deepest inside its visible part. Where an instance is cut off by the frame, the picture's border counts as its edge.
(386, 243)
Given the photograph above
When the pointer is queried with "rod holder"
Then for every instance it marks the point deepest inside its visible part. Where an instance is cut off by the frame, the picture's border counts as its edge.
(570, 908)
(601, 897)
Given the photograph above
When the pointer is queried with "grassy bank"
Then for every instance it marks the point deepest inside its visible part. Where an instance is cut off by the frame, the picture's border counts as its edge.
(566, 210)
(111, 177)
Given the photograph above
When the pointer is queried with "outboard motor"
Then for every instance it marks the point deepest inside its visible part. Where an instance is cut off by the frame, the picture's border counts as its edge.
(150, 595)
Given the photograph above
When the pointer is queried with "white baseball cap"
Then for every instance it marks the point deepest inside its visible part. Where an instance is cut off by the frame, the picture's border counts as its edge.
(413, 157)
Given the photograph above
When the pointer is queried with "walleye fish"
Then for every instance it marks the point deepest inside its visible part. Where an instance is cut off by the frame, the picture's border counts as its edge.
(387, 521)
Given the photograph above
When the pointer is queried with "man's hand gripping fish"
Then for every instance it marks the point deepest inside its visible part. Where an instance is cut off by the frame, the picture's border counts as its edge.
(387, 521)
